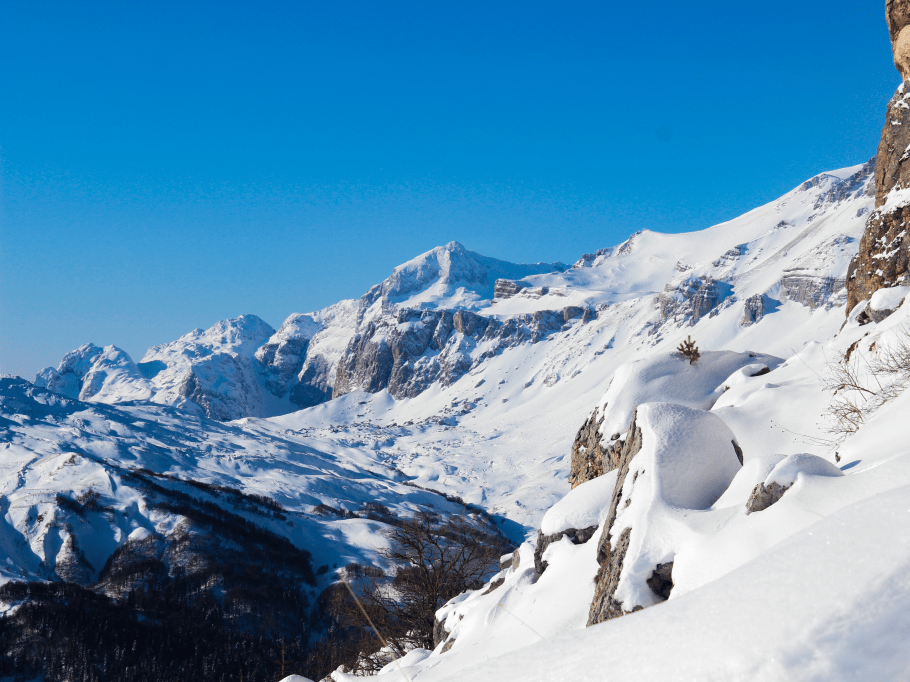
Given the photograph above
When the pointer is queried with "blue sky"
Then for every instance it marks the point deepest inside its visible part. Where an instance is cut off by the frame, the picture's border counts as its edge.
(164, 165)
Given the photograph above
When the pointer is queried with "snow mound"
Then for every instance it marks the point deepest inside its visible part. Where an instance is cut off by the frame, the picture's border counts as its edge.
(753, 472)
(785, 473)
(586, 505)
(807, 611)
(889, 298)
(668, 377)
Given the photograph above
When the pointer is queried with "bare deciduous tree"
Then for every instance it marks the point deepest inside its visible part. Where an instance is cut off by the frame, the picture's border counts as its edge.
(436, 560)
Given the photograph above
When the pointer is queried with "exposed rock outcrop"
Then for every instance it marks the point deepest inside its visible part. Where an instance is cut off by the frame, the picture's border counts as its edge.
(674, 459)
(506, 288)
(410, 351)
(691, 299)
(883, 259)
(578, 536)
(753, 310)
(604, 607)
(763, 496)
(661, 580)
(809, 290)
(590, 456)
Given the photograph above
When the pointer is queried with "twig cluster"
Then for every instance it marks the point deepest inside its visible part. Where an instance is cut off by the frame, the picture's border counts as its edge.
(859, 385)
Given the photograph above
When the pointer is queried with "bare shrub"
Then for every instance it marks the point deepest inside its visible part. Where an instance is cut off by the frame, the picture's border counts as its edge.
(859, 385)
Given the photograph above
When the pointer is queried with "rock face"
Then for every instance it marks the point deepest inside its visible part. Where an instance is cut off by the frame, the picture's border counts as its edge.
(812, 292)
(408, 351)
(897, 12)
(692, 299)
(604, 607)
(590, 457)
(674, 459)
(884, 250)
(753, 310)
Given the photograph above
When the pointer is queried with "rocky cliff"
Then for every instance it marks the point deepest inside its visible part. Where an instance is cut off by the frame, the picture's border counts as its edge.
(882, 259)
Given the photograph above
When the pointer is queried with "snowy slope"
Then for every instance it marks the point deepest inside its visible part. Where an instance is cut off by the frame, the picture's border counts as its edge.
(106, 461)
(813, 587)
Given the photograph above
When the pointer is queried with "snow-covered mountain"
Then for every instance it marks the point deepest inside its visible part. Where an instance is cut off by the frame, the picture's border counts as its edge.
(464, 377)
(448, 312)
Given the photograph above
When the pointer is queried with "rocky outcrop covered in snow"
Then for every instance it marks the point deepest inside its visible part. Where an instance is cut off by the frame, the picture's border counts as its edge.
(809, 290)
(600, 442)
(409, 351)
(692, 299)
(611, 553)
(674, 458)
(593, 454)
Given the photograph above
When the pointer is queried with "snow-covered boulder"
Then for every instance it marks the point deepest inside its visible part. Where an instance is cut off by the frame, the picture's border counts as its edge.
(676, 459)
(886, 301)
(576, 516)
(667, 377)
(782, 477)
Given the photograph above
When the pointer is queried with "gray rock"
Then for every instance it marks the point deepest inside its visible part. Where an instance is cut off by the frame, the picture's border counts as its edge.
(576, 535)
(408, 351)
(810, 290)
(571, 312)
(604, 606)
(763, 496)
(661, 580)
(879, 315)
(692, 299)
(506, 288)
(439, 632)
(753, 310)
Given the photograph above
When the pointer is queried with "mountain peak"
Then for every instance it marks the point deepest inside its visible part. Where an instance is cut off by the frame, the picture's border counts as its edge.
(450, 276)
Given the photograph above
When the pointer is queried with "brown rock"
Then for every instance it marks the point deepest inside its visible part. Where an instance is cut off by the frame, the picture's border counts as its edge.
(882, 259)
(591, 455)
(897, 13)
(763, 496)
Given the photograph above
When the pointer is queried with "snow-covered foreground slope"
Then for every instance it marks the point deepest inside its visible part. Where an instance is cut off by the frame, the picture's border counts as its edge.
(813, 587)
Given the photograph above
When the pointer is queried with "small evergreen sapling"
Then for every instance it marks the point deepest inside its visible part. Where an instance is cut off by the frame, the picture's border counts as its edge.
(689, 350)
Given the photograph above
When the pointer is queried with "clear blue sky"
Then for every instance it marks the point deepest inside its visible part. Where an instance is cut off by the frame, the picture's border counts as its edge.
(164, 165)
